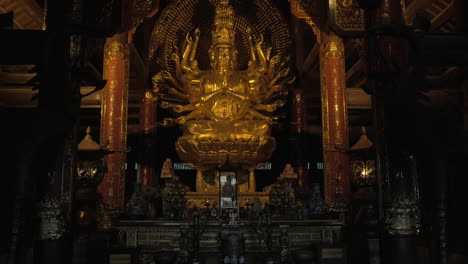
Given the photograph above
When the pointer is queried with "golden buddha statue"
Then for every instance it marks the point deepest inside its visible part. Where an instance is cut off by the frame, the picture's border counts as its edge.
(225, 114)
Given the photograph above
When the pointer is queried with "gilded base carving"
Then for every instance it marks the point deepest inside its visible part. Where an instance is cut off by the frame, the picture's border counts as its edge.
(159, 236)
(211, 144)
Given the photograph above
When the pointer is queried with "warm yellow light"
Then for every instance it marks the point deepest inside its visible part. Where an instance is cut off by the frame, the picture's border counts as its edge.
(364, 173)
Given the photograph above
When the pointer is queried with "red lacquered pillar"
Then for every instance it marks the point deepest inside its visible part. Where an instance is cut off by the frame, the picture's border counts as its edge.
(114, 113)
(334, 121)
(147, 126)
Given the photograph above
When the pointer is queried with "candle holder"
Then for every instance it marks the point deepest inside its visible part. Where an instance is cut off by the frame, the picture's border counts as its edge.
(207, 205)
(248, 204)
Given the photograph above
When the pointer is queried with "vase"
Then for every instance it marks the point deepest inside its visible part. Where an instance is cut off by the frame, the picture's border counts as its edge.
(151, 211)
(136, 208)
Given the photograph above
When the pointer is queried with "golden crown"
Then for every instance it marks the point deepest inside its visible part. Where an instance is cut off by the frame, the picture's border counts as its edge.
(223, 33)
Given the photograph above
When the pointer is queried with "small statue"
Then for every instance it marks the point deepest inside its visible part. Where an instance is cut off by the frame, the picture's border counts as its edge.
(214, 211)
(257, 207)
(317, 205)
(136, 207)
(228, 194)
(242, 260)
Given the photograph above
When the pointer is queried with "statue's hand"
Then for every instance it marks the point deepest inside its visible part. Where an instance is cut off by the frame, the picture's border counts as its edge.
(271, 107)
(164, 105)
(277, 88)
(175, 57)
(196, 33)
(166, 122)
(275, 59)
(283, 72)
(268, 53)
(279, 103)
(188, 38)
(181, 120)
(178, 108)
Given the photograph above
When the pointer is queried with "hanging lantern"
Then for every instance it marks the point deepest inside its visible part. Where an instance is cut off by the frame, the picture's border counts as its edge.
(362, 161)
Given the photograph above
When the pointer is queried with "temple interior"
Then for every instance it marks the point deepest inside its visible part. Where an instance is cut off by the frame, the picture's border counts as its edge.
(234, 132)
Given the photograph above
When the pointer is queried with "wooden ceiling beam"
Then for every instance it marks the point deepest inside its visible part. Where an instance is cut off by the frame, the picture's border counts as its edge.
(361, 82)
(415, 7)
(36, 14)
(16, 24)
(16, 78)
(312, 59)
(20, 97)
(27, 13)
(355, 68)
(445, 15)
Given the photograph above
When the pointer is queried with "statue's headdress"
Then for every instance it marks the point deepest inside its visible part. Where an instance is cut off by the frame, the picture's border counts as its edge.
(223, 33)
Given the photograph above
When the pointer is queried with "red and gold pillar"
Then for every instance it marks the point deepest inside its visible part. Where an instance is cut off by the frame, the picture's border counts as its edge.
(114, 119)
(334, 121)
(147, 126)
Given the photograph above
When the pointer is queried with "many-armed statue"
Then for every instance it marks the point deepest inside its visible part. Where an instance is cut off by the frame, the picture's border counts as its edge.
(226, 114)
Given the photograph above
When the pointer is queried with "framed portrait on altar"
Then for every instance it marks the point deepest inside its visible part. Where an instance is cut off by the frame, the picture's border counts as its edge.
(228, 189)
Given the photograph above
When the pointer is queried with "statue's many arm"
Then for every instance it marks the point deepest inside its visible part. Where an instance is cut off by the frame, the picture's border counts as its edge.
(183, 85)
(268, 75)
(188, 62)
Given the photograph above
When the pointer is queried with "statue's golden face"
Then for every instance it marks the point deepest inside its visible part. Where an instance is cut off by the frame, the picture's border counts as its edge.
(223, 57)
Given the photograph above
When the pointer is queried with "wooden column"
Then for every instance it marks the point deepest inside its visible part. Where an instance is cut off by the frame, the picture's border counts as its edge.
(114, 119)
(298, 126)
(147, 125)
(388, 69)
(334, 121)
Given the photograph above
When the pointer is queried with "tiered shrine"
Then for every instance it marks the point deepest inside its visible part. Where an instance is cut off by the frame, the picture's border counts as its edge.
(225, 81)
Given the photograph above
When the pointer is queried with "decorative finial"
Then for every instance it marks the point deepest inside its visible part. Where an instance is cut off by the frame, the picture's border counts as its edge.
(363, 130)
(364, 142)
(88, 144)
(167, 170)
